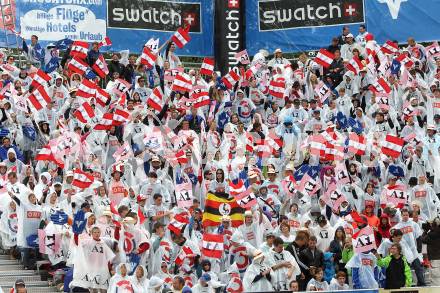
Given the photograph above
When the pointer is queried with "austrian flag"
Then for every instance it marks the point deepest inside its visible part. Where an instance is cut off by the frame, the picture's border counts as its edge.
(389, 48)
(405, 60)
(200, 96)
(148, 58)
(105, 42)
(207, 66)
(230, 79)
(181, 37)
(355, 65)
(100, 67)
(356, 144)
(318, 145)
(155, 99)
(277, 88)
(40, 79)
(84, 113)
(82, 179)
(182, 83)
(39, 98)
(324, 58)
(177, 223)
(87, 89)
(381, 86)
(101, 96)
(78, 66)
(392, 146)
(79, 49)
(213, 245)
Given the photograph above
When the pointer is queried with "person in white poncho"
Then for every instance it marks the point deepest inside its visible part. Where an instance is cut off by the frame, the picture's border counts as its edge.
(259, 275)
(92, 258)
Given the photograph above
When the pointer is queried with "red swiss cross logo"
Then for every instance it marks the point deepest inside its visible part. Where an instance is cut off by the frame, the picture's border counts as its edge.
(350, 9)
(234, 3)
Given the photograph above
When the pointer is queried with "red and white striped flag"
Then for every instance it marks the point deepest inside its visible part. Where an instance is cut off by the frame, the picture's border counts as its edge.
(45, 154)
(380, 86)
(242, 57)
(355, 65)
(40, 79)
(120, 116)
(213, 245)
(175, 158)
(322, 91)
(148, 58)
(184, 253)
(39, 98)
(82, 179)
(364, 240)
(101, 96)
(155, 100)
(230, 79)
(405, 60)
(236, 188)
(84, 113)
(79, 49)
(207, 67)
(182, 83)
(177, 223)
(106, 42)
(200, 96)
(433, 50)
(181, 37)
(392, 146)
(78, 66)
(105, 123)
(390, 48)
(318, 145)
(356, 144)
(100, 67)
(277, 88)
(252, 71)
(334, 152)
(86, 89)
(324, 58)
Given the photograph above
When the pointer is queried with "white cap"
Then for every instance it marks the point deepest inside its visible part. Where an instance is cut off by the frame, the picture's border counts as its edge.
(290, 166)
(278, 50)
(350, 35)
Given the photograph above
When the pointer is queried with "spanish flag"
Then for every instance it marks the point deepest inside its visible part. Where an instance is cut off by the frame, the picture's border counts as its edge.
(216, 206)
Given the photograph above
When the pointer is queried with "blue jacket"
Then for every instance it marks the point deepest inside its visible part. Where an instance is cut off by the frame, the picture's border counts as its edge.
(4, 153)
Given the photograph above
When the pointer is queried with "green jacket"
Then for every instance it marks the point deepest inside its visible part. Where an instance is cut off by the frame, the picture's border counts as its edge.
(347, 254)
(385, 262)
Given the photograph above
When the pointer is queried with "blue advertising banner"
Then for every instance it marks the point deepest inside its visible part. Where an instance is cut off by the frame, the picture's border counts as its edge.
(133, 22)
(310, 24)
(129, 23)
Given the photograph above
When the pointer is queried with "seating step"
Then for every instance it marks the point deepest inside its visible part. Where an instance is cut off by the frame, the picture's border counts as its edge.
(28, 284)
